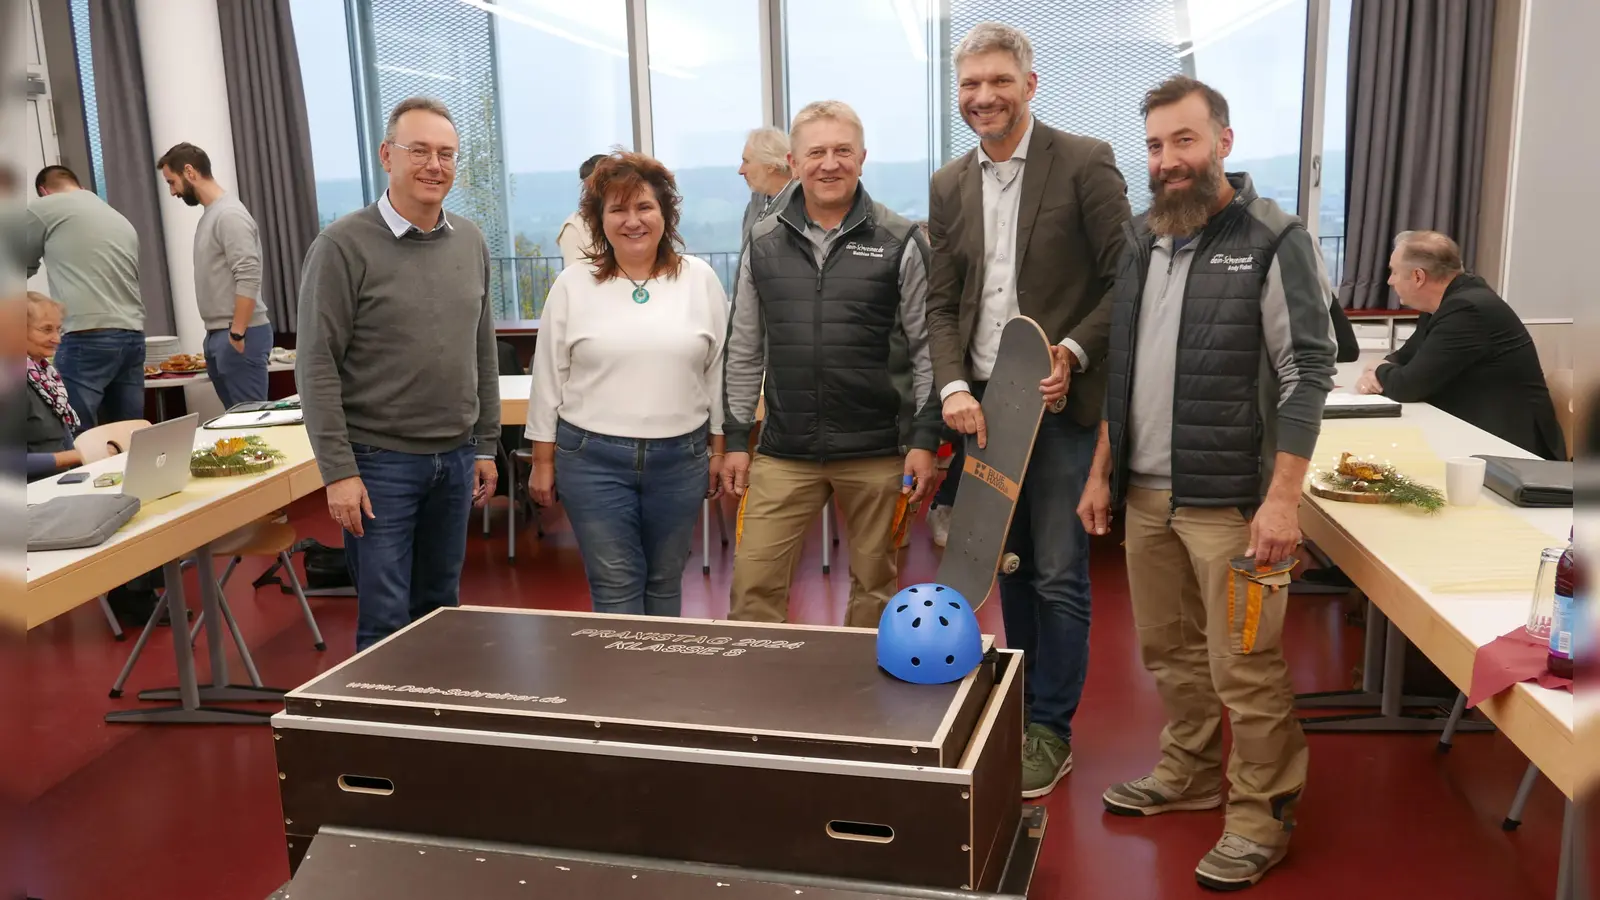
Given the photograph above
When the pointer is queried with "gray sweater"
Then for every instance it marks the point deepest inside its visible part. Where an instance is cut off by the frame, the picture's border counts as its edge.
(396, 346)
(227, 263)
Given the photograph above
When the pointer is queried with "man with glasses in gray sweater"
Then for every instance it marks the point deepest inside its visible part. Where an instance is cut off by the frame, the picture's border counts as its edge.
(398, 377)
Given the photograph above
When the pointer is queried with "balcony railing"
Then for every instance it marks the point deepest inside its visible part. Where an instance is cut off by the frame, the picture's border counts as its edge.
(522, 282)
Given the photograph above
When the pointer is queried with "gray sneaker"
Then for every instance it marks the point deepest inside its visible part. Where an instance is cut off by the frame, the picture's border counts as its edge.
(1236, 863)
(1149, 797)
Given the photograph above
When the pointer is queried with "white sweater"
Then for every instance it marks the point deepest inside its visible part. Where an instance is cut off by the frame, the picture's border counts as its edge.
(635, 370)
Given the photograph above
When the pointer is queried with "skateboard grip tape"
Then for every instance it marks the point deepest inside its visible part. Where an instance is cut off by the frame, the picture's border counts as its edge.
(991, 476)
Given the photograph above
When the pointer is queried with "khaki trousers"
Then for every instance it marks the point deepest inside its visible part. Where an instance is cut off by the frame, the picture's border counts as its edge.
(783, 499)
(1206, 653)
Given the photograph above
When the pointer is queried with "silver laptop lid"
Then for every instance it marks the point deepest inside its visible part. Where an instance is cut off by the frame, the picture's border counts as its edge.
(158, 459)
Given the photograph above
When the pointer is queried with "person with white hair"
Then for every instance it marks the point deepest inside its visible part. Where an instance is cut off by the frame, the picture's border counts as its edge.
(765, 167)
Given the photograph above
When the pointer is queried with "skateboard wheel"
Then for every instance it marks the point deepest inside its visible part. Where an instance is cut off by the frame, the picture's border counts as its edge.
(1010, 563)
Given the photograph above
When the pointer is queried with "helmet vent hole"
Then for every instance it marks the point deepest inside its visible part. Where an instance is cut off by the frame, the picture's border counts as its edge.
(939, 588)
(944, 621)
(954, 605)
(950, 660)
(916, 622)
(927, 603)
(915, 661)
(903, 607)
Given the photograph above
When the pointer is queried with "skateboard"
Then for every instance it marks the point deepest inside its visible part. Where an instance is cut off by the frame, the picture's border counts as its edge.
(991, 477)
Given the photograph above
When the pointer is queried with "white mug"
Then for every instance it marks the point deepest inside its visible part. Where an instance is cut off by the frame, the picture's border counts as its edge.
(1463, 480)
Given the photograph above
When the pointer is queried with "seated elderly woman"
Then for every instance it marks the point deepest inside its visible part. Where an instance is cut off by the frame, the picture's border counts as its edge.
(51, 423)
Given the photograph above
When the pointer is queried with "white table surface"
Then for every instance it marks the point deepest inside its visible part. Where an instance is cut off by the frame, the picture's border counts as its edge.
(1479, 617)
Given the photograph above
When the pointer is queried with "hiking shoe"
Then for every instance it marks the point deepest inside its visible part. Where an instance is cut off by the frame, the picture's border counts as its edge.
(1149, 797)
(1046, 759)
(1236, 863)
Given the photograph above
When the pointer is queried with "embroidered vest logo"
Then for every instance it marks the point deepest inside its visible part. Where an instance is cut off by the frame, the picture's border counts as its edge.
(1234, 263)
(866, 250)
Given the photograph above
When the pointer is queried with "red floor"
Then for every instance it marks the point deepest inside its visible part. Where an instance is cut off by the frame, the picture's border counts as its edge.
(133, 812)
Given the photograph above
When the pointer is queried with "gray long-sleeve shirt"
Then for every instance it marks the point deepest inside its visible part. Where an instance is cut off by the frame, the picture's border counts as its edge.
(396, 346)
(746, 347)
(91, 253)
(227, 263)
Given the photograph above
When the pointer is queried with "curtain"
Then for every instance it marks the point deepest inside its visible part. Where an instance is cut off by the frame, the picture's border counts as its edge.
(130, 162)
(1418, 97)
(271, 144)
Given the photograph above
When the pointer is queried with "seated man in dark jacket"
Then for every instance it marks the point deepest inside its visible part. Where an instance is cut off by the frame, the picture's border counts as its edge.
(1470, 356)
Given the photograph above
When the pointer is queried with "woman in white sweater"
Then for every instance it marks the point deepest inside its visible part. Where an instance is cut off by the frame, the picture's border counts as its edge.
(626, 411)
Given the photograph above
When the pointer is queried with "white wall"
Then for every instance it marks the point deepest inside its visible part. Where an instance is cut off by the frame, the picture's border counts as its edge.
(188, 101)
(1553, 188)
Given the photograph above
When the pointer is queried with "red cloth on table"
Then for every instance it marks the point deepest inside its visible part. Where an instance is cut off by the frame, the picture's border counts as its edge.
(1510, 659)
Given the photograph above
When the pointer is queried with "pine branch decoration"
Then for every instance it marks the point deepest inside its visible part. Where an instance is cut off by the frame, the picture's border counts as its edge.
(245, 455)
(1368, 477)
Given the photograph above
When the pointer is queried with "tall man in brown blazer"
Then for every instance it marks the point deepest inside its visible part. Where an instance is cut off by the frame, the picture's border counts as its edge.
(1029, 223)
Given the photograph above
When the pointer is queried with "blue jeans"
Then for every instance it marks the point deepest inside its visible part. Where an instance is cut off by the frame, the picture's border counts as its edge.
(104, 373)
(1045, 603)
(239, 377)
(408, 563)
(633, 504)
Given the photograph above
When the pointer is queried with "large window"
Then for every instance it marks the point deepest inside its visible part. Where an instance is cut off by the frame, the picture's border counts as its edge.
(564, 97)
(91, 106)
(1097, 58)
(1330, 217)
(705, 96)
(323, 43)
(879, 65)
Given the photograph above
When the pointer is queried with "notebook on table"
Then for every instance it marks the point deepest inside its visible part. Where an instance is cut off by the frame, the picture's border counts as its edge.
(1341, 405)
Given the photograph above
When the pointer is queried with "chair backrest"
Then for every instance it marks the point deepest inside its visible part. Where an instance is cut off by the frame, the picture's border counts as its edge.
(106, 440)
(1560, 384)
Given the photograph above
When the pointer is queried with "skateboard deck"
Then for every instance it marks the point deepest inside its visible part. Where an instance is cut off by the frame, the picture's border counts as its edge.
(991, 477)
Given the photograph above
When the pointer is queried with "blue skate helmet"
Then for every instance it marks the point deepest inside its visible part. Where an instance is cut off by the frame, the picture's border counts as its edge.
(928, 634)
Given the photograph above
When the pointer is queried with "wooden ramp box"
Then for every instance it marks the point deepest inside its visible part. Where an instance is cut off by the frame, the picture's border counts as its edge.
(770, 747)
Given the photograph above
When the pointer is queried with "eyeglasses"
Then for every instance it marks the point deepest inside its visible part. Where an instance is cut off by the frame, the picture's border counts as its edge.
(420, 155)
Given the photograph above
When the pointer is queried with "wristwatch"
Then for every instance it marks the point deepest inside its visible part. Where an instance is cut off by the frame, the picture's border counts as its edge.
(235, 335)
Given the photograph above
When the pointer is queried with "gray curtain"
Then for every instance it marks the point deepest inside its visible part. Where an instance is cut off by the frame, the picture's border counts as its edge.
(130, 162)
(271, 143)
(1417, 103)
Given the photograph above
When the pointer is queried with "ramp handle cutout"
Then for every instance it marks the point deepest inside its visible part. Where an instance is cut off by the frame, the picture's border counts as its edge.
(860, 831)
(366, 784)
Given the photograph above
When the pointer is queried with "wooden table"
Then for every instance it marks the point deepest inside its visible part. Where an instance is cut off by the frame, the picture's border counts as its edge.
(185, 523)
(1450, 627)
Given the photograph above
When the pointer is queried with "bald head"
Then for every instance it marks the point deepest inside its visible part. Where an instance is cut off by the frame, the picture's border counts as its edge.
(1422, 265)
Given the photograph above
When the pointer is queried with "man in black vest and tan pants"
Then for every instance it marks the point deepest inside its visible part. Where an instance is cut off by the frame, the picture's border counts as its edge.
(832, 286)
(1222, 354)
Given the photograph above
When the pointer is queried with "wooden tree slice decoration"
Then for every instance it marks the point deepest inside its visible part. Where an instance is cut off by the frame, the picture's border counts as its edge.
(246, 455)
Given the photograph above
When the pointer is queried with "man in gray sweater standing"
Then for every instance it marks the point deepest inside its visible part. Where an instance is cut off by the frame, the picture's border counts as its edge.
(227, 278)
(398, 377)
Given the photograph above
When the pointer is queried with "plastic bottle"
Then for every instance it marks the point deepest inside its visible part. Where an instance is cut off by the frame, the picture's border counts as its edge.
(1565, 623)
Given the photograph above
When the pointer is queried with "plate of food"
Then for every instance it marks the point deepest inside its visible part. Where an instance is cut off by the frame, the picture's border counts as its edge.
(184, 363)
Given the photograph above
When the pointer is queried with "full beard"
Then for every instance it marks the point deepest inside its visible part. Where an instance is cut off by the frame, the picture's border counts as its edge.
(1181, 213)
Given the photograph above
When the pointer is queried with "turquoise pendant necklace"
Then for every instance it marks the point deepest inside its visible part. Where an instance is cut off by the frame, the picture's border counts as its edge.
(640, 295)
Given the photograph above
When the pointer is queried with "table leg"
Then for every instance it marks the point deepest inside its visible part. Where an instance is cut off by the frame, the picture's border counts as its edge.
(189, 711)
(219, 691)
(1382, 681)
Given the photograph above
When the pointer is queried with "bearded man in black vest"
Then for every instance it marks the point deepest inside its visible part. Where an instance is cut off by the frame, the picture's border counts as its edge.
(1221, 357)
(829, 313)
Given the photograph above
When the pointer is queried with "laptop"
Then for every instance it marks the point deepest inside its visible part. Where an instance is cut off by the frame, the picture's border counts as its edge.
(158, 459)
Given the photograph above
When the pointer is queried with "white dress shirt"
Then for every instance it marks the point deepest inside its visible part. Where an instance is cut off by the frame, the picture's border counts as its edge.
(997, 304)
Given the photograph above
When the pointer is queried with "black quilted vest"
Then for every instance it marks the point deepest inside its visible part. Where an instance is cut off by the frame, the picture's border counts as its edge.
(1217, 428)
(829, 394)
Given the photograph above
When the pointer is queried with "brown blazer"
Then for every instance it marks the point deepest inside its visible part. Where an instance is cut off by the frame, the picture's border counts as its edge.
(1069, 238)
